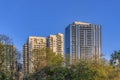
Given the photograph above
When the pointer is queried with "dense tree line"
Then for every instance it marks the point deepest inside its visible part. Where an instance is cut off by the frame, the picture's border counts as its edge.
(81, 71)
(84, 70)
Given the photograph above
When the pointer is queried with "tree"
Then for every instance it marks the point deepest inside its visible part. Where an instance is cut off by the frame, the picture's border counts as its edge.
(115, 58)
(2, 69)
(53, 59)
(38, 59)
(45, 57)
(5, 40)
(1, 56)
(18, 72)
(6, 57)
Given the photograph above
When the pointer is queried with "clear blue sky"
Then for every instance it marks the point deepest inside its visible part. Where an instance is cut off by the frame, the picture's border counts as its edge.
(21, 18)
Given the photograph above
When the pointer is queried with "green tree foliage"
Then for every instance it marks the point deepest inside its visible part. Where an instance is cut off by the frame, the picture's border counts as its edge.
(6, 58)
(82, 71)
(45, 57)
(38, 59)
(115, 56)
(52, 73)
(1, 56)
(53, 59)
(2, 69)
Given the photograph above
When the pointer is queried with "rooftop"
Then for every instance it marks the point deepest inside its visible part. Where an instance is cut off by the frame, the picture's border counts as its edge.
(36, 37)
(78, 23)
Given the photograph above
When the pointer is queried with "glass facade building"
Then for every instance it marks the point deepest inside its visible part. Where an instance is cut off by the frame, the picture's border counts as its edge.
(82, 41)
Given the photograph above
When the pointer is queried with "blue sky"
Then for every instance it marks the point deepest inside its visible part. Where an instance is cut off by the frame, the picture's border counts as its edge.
(21, 18)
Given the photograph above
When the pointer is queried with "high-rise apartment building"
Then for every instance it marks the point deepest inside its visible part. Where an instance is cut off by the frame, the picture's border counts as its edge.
(25, 59)
(82, 41)
(33, 42)
(54, 42)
